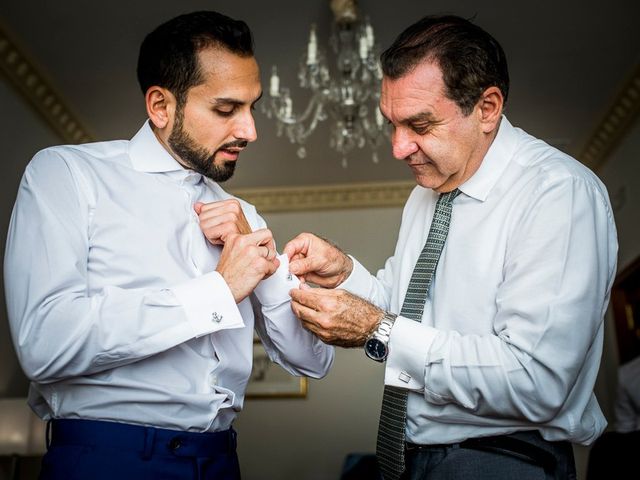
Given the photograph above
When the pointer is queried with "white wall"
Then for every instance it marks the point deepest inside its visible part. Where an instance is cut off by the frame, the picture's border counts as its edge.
(308, 439)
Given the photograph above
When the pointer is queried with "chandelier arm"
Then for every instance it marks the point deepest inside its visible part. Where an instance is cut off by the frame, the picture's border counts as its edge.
(348, 97)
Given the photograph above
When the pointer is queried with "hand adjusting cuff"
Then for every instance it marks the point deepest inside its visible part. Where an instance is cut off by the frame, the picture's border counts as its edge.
(377, 345)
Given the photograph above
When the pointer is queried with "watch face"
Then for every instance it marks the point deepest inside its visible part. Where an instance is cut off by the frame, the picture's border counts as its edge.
(376, 349)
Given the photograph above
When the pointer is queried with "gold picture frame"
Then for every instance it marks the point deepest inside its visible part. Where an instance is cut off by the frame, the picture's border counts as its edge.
(269, 380)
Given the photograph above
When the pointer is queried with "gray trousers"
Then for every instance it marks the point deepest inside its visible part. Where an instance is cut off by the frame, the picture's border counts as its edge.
(519, 456)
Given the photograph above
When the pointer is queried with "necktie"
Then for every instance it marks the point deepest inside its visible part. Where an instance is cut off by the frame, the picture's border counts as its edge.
(390, 445)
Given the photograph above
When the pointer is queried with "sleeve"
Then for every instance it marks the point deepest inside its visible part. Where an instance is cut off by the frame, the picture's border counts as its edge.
(285, 340)
(376, 290)
(558, 270)
(59, 329)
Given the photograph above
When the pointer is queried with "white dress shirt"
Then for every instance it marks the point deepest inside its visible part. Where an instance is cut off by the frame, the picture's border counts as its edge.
(627, 405)
(115, 308)
(511, 335)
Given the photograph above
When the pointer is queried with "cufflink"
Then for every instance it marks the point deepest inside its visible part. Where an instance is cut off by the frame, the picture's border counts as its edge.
(215, 317)
(404, 377)
(289, 277)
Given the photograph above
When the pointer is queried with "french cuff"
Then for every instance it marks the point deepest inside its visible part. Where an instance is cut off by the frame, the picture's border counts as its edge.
(359, 281)
(408, 346)
(209, 304)
(275, 289)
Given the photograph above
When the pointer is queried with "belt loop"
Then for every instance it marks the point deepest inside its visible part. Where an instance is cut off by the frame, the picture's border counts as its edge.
(233, 443)
(149, 440)
(47, 435)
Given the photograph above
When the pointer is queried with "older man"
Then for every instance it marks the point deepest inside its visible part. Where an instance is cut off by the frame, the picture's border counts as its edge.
(489, 315)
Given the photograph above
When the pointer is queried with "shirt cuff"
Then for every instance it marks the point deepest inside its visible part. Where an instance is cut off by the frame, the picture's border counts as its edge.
(209, 304)
(359, 281)
(275, 289)
(409, 344)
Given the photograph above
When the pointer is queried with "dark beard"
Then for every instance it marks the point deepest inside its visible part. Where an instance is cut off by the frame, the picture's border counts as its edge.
(196, 157)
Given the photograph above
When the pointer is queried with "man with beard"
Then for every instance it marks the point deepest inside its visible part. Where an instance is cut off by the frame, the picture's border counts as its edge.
(134, 282)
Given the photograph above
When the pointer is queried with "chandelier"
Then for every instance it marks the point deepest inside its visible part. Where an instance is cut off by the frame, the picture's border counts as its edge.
(350, 97)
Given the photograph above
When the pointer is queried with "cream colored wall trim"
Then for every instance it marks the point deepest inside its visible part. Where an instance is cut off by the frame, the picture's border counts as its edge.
(327, 197)
(31, 84)
(614, 125)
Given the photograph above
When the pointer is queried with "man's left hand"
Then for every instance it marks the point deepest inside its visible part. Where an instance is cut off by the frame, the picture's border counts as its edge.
(337, 317)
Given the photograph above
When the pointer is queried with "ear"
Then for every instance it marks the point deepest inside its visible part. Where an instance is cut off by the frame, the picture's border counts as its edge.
(161, 106)
(490, 108)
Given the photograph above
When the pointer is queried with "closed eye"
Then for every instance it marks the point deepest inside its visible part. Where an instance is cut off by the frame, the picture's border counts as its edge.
(421, 128)
(225, 112)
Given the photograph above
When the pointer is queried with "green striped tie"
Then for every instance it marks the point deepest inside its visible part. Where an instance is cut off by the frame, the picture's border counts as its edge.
(393, 417)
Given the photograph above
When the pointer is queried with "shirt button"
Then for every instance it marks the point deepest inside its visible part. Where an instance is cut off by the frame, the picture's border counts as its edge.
(213, 380)
(175, 443)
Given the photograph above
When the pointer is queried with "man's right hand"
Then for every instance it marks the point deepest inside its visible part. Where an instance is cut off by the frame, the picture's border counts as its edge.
(316, 260)
(247, 259)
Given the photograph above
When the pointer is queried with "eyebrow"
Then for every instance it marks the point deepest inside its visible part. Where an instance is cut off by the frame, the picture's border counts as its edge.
(224, 101)
(420, 118)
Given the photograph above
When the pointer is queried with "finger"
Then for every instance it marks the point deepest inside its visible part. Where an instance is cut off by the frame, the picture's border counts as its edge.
(197, 207)
(305, 313)
(307, 297)
(272, 245)
(218, 234)
(267, 252)
(271, 253)
(320, 280)
(273, 266)
(259, 237)
(226, 205)
(298, 245)
(305, 265)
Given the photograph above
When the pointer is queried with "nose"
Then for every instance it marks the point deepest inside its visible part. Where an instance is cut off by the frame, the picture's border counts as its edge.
(403, 144)
(246, 128)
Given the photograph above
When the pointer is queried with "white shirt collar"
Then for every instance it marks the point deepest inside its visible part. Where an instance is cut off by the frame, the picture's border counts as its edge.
(147, 154)
(494, 163)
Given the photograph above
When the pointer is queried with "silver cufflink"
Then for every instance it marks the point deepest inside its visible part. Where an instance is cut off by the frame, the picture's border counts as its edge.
(289, 277)
(215, 317)
(404, 377)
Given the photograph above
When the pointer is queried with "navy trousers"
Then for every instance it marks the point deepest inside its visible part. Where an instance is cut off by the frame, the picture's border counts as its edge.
(89, 449)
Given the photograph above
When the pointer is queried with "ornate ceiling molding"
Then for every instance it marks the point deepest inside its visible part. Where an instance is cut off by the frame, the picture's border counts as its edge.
(39, 93)
(615, 124)
(327, 197)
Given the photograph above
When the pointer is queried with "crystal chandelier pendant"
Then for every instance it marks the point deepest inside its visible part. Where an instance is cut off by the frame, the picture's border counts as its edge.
(349, 97)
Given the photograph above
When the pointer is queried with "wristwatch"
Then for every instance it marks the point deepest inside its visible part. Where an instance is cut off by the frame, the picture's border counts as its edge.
(377, 345)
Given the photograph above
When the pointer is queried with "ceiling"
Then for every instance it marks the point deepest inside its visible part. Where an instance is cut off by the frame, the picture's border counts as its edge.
(567, 64)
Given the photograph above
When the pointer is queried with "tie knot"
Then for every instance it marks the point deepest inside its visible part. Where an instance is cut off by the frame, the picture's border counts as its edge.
(449, 196)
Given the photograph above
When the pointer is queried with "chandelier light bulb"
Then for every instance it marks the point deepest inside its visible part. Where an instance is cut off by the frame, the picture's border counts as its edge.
(347, 95)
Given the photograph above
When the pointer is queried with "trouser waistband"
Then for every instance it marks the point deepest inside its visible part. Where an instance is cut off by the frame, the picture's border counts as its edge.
(145, 440)
(528, 446)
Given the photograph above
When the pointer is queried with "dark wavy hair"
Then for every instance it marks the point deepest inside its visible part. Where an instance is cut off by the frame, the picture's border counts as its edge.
(470, 59)
(168, 55)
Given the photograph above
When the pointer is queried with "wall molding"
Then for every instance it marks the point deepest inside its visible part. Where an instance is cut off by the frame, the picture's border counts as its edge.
(32, 85)
(327, 197)
(614, 125)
